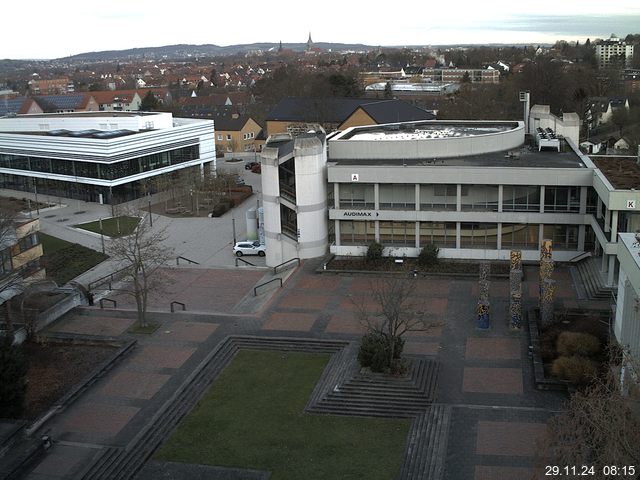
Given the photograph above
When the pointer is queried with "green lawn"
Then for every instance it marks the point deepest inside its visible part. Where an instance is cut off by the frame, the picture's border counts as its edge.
(64, 260)
(252, 417)
(112, 227)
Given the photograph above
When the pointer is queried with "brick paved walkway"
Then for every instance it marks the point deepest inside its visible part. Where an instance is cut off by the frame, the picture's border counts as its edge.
(486, 375)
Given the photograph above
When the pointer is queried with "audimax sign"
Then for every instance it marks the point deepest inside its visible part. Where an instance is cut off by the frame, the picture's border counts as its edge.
(365, 214)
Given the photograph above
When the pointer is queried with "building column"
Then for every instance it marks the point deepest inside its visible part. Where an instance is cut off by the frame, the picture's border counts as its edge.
(612, 271)
(599, 208)
(336, 231)
(500, 197)
(458, 198)
(376, 196)
(542, 193)
(417, 235)
(603, 264)
(581, 237)
(499, 239)
(417, 197)
(540, 234)
(458, 242)
(336, 195)
(377, 231)
(607, 221)
(583, 200)
(614, 226)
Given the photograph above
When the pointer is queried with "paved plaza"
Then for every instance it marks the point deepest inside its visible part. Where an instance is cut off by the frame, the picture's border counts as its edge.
(497, 413)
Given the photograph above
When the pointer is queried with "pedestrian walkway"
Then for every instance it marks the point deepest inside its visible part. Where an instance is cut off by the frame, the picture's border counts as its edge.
(485, 383)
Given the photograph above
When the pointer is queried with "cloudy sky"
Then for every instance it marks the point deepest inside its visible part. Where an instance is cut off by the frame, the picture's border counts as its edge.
(47, 29)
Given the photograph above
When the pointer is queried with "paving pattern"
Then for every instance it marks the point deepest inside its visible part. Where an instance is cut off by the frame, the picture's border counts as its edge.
(486, 415)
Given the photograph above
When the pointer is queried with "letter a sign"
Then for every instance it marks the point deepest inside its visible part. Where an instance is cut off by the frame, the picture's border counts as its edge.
(355, 177)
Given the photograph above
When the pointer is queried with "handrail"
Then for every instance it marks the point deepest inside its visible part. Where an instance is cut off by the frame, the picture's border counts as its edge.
(106, 279)
(255, 289)
(579, 257)
(275, 269)
(184, 258)
(177, 303)
(114, 304)
(243, 261)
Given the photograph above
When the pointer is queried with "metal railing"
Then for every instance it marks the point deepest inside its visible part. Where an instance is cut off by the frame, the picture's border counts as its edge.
(275, 269)
(185, 259)
(579, 257)
(174, 303)
(109, 279)
(255, 289)
(238, 259)
(114, 304)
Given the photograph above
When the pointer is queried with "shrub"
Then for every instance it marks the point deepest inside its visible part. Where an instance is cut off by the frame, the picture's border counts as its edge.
(576, 369)
(375, 351)
(374, 252)
(428, 255)
(577, 343)
(13, 386)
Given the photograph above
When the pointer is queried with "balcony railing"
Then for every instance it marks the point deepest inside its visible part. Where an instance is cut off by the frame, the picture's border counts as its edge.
(288, 192)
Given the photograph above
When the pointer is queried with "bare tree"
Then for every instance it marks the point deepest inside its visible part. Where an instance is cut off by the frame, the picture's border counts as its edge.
(601, 426)
(397, 310)
(144, 253)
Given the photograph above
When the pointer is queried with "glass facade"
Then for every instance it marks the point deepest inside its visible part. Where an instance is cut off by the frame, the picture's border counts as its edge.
(479, 235)
(440, 234)
(564, 237)
(355, 195)
(101, 171)
(397, 196)
(480, 198)
(357, 233)
(438, 197)
(518, 198)
(521, 236)
(562, 199)
(398, 233)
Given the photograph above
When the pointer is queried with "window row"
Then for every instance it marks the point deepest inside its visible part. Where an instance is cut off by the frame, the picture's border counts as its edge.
(472, 197)
(444, 234)
(102, 171)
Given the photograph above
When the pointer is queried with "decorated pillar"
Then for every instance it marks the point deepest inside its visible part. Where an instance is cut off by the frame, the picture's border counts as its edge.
(515, 290)
(546, 302)
(546, 264)
(483, 296)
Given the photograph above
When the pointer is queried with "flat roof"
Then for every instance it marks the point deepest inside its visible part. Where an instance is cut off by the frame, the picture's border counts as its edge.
(520, 158)
(426, 130)
(622, 173)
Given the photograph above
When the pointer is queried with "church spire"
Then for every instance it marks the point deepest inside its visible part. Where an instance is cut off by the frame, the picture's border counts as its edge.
(309, 43)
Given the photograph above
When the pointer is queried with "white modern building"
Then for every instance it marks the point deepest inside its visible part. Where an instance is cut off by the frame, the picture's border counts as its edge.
(99, 156)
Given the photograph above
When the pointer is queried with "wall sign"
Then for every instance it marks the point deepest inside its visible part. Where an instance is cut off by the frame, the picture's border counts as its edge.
(631, 204)
(363, 214)
(355, 177)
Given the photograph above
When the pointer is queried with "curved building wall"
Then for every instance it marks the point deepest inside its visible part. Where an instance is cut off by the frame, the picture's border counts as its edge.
(348, 146)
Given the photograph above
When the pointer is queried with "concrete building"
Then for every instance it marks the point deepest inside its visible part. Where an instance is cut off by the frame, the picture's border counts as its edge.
(100, 156)
(614, 53)
(476, 189)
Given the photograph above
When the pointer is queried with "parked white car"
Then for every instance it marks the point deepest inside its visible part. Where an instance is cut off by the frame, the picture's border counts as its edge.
(249, 247)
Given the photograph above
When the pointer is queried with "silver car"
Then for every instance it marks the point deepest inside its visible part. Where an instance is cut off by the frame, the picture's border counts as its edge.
(249, 247)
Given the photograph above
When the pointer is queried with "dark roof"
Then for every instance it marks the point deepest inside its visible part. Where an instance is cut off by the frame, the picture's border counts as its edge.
(226, 122)
(310, 109)
(53, 103)
(391, 111)
(338, 109)
(13, 105)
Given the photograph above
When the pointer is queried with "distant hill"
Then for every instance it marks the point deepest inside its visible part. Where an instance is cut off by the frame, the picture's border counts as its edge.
(185, 51)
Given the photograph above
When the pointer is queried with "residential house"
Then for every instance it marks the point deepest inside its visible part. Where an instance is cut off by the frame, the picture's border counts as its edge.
(235, 132)
(600, 109)
(118, 100)
(54, 86)
(76, 102)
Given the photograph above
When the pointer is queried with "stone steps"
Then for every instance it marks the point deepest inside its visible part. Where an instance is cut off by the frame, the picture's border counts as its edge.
(426, 450)
(591, 279)
(367, 394)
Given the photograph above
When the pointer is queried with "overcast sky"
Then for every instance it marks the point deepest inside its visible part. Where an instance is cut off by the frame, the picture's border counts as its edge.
(48, 29)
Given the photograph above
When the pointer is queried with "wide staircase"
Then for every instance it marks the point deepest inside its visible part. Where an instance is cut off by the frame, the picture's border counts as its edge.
(593, 281)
